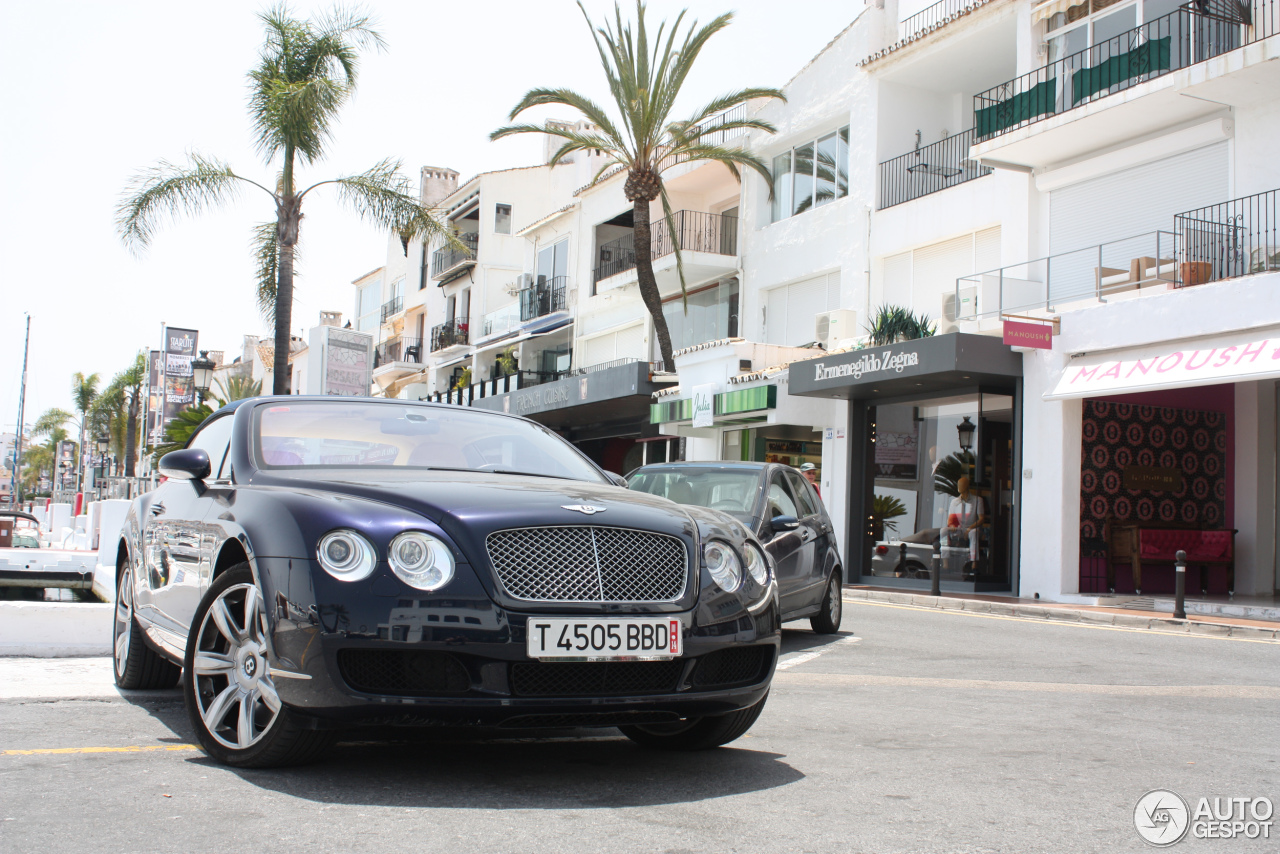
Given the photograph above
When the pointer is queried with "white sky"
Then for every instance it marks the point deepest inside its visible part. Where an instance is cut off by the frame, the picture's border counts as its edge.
(97, 91)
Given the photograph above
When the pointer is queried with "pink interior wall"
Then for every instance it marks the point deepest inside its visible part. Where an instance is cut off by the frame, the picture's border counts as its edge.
(1209, 398)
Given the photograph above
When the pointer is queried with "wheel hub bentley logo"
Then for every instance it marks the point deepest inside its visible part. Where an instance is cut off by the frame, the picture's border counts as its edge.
(584, 508)
(250, 666)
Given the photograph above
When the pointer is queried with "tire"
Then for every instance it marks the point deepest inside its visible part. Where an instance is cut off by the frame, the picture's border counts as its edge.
(827, 620)
(230, 696)
(696, 733)
(136, 665)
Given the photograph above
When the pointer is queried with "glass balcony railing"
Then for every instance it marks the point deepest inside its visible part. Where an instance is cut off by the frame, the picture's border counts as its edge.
(503, 320)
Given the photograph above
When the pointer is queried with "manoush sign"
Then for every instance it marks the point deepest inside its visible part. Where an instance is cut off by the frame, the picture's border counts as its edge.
(1244, 356)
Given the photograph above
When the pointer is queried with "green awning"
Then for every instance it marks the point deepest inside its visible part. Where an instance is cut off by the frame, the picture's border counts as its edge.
(1037, 101)
(1146, 58)
(731, 403)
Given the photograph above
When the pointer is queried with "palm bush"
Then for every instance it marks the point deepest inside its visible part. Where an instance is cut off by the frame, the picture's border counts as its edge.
(894, 323)
(885, 508)
(949, 471)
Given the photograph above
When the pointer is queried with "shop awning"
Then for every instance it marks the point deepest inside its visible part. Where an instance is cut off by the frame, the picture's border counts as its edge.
(745, 405)
(1243, 356)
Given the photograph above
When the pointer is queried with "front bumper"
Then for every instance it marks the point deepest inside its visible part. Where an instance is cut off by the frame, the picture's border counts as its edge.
(477, 673)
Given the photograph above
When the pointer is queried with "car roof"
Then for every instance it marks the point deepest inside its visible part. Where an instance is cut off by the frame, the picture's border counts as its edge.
(329, 398)
(717, 464)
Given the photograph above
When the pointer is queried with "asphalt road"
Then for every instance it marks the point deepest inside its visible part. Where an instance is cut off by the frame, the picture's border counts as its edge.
(917, 731)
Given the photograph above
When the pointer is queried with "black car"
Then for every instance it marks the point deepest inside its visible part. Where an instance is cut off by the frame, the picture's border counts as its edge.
(783, 511)
(314, 563)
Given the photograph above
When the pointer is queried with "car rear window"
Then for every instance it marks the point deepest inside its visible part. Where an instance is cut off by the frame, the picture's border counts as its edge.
(730, 491)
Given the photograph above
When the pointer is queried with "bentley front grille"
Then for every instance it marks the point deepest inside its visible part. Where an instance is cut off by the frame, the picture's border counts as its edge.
(586, 563)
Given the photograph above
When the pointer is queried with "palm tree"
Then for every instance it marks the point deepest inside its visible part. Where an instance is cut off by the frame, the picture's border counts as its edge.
(130, 385)
(237, 388)
(306, 74)
(646, 142)
(83, 391)
(53, 423)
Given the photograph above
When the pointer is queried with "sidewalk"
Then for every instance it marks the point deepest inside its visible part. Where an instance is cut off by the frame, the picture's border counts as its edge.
(1062, 612)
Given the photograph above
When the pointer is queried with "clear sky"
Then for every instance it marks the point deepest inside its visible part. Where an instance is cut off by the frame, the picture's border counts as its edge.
(96, 91)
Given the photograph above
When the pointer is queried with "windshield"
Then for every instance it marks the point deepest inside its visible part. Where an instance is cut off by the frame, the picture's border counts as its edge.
(346, 434)
(730, 490)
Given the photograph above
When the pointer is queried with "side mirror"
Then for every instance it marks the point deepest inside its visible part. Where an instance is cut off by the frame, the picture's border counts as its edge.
(187, 464)
(784, 523)
(617, 479)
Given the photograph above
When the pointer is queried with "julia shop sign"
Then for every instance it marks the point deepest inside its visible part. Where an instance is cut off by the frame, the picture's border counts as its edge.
(704, 399)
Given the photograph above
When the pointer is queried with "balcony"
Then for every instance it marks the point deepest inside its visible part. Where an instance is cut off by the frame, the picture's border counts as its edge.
(930, 169)
(543, 298)
(501, 321)
(1073, 99)
(708, 246)
(451, 334)
(396, 358)
(1235, 238)
(392, 307)
(938, 15)
(450, 262)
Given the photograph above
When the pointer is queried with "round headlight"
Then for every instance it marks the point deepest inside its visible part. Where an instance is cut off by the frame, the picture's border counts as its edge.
(757, 565)
(723, 565)
(420, 560)
(346, 555)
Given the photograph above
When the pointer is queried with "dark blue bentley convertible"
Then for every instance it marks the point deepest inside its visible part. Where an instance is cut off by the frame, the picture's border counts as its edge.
(314, 563)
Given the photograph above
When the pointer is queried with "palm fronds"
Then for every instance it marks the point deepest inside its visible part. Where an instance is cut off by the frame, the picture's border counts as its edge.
(179, 430)
(949, 471)
(237, 388)
(167, 190)
(895, 323)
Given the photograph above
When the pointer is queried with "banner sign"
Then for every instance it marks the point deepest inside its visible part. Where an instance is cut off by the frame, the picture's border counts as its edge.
(179, 385)
(1036, 335)
(348, 362)
(154, 399)
(1243, 356)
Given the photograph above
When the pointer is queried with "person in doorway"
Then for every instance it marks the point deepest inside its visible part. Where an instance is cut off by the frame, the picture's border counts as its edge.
(810, 472)
(965, 518)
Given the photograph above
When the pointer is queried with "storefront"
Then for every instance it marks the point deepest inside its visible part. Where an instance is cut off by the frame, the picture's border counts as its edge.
(933, 445)
(1177, 451)
(604, 411)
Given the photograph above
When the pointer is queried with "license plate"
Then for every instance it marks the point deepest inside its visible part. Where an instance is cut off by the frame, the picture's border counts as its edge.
(603, 639)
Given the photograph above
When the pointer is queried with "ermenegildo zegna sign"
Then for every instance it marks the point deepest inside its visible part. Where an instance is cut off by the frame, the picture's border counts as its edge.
(979, 356)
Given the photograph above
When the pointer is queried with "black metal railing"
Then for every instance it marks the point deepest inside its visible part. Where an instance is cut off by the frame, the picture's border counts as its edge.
(929, 169)
(398, 349)
(942, 12)
(451, 334)
(1174, 41)
(1229, 239)
(692, 231)
(391, 307)
(445, 259)
(712, 132)
(544, 297)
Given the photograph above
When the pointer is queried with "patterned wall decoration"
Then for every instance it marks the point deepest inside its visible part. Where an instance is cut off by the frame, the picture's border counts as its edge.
(1117, 435)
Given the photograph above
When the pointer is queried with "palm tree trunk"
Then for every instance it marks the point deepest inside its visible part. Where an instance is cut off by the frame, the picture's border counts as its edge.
(643, 241)
(288, 217)
(131, 437)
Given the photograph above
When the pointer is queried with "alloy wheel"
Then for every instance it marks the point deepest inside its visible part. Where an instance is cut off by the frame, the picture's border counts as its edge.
(124, 623)
(234, 693)
(835, 602)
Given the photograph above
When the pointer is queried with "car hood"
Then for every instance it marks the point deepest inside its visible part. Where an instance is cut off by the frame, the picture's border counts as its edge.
(470, 505)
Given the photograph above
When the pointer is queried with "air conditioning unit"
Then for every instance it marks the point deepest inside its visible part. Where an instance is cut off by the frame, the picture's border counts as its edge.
(951, 313)
(832, 329)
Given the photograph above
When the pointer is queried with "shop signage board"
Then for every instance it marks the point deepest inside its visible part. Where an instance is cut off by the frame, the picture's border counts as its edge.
(619, 381)
(744, 400)
(730, 405)
(704, 397)
(1018, 333)
(1152, 478)
(348, 362)
(1174, 364)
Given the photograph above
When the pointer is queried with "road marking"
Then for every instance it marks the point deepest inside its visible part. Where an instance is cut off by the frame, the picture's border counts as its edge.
(130, 749)
(1249, 692)
(1042, 620)
(787, 662)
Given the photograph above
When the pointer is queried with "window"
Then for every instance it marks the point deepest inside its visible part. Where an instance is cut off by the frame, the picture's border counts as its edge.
(924, 279)
(800, 487)
(397, 290)
(368, 305)
(214, 439)
(712, 314)
(789, 312)
(553, 261)
(811, 175)
(502, 219)
(780, 502)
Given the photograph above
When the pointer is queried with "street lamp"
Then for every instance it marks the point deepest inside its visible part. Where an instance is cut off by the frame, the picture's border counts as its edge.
(202, 374)
(966, 428)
